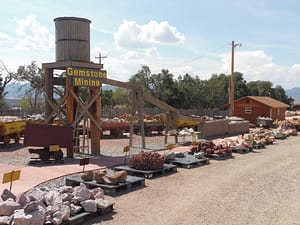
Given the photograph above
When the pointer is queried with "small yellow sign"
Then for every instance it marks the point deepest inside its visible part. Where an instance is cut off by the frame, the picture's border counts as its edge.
(11, 176)
(53, 148)
(170, 146)
(194, 142)
(126, 149)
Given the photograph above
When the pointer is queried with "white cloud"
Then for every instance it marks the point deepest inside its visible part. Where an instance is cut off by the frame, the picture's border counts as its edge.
(132, 35)
(152, 52)
(33, 34)
(130, 55)
(3, 37)
(257, 65)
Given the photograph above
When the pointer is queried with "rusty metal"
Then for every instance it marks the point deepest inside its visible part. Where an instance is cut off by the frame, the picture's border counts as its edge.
(44, 135)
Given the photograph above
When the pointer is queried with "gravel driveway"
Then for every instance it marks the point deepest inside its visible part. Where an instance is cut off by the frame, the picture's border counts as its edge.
(262, 187)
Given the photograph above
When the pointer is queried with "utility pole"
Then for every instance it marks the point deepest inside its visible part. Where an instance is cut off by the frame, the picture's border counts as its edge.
(231, 94)
(100, 57)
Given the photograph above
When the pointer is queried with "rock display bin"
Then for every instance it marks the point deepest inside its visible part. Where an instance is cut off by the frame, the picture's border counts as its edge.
(238, 127)
(215, 128)
(63, 205)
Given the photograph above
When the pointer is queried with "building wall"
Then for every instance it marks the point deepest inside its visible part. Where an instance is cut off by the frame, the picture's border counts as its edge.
(257, 109)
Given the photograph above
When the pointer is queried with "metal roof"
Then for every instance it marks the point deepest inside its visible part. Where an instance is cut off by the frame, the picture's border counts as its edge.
(271, 102)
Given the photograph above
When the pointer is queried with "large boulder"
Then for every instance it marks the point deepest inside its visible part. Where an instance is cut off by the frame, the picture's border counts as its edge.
(5, 220)
(97, 193)
(6, 194)
(81, 193)
(8, 207)
(89, 205)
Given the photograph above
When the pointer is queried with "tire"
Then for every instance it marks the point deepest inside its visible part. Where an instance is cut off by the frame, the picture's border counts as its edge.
(44, 155)
(58, 155)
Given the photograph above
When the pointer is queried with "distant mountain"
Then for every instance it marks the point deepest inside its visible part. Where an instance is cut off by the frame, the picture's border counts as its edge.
(294, 93)
(17, 90)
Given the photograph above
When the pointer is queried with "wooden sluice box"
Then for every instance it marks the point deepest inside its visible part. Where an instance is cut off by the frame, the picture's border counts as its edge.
(51, 138)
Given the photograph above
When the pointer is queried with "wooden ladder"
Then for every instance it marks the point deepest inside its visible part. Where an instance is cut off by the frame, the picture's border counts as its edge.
(81, 135)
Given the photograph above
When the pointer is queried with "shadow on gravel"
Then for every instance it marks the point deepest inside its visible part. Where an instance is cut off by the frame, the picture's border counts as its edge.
(10, 147)
(98, 219)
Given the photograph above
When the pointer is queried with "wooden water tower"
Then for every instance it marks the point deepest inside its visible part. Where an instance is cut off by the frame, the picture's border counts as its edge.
(73, 56)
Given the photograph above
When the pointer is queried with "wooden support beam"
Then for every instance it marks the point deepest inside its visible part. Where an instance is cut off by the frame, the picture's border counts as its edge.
(55, 109)
(48, 90)
(87, 113)
(141, 117)
(95, 111)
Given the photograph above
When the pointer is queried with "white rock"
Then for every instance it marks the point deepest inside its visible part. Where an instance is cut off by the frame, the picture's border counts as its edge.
(5, 220)
(102, 203)
(89, 205)
(97, 193)
(81, 193)
(8, 207)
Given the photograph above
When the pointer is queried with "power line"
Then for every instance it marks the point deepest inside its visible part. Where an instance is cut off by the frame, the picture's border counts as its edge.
(205, 54)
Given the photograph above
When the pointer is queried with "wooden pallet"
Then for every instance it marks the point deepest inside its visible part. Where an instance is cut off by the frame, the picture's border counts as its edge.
(85, 216)
(189, 161)
(168, 168)
(241, 150)
(224, 156)
(132, 183)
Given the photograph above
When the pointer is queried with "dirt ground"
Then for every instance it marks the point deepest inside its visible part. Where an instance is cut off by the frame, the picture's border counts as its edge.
(262, 187)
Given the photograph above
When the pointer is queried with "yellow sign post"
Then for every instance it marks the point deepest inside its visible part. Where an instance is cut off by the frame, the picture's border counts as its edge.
(126, 149)
(11, 176)
(83, 162)
(170, 146)
(53, 148)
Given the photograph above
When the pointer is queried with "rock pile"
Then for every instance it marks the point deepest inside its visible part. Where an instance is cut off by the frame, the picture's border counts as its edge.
(42, 206)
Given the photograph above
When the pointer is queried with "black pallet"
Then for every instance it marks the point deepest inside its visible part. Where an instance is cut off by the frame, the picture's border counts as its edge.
(189, 161)
(241, 150)
(168, 168)
(85, 216)
(38, 161)
(258, 146)
(130, 184)
(224, 156)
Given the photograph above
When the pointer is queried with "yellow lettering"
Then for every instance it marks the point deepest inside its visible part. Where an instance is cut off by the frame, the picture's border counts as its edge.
(70, 71)
(88, 73)
(75, 72)
(77, 81)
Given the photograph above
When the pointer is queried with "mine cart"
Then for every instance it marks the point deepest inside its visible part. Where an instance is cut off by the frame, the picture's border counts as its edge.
(50, 138)
(10, 129)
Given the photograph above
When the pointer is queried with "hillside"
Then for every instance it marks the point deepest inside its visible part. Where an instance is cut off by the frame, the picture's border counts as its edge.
(294, 93)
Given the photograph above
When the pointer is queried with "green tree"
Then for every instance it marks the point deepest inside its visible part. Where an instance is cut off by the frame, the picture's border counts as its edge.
(143, 78)
(33, 75)
(240, 86)
(164, 87)
(107, 98)
(121, 97)
(279, 93)
(4, 81)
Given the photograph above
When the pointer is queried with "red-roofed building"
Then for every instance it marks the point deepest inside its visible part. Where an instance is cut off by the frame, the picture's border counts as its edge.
(251, 107)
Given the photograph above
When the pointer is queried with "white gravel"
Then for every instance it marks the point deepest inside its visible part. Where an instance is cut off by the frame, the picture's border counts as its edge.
(255, 188)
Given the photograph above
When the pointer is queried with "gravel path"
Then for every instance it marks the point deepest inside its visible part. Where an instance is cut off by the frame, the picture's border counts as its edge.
(255, 188)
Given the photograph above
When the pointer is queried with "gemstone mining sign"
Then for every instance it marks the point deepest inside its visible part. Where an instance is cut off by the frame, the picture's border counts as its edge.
(85, 77)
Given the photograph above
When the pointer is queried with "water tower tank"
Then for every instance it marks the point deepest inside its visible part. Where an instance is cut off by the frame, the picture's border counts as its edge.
(72, 39)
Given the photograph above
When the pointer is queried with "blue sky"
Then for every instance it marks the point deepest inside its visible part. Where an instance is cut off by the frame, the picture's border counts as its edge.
(183, 36)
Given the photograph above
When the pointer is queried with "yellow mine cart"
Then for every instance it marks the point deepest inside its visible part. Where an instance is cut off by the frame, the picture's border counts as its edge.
(11, 130)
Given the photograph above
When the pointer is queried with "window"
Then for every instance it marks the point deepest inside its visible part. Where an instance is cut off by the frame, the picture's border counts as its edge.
(248, 109)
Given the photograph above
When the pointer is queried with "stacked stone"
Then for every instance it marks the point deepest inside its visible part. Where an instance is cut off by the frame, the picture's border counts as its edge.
(42, 206)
